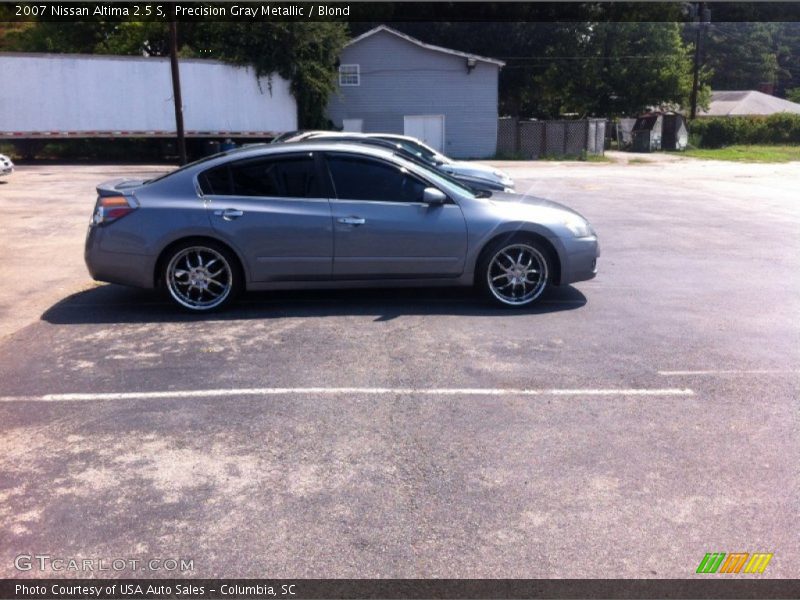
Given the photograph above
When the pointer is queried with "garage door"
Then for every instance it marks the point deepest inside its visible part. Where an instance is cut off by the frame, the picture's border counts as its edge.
(428, 128)
(356, 125)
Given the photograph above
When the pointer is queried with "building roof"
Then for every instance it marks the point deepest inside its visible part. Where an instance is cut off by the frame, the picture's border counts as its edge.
(421, 44)
(746, 102)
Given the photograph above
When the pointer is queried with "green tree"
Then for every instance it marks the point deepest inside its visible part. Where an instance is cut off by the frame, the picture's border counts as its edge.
(786, 39)
(612, 69)
(83, 37)
(742, 56)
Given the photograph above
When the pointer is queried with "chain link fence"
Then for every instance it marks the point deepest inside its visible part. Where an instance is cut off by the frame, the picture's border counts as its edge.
(536, 139)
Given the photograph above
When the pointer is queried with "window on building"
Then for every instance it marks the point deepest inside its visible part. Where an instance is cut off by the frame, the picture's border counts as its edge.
(349, 75)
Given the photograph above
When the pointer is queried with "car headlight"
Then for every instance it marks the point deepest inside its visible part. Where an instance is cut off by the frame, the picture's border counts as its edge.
(578, 227)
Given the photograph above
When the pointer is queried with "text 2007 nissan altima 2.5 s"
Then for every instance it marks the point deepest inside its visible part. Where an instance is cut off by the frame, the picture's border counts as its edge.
(328, 214)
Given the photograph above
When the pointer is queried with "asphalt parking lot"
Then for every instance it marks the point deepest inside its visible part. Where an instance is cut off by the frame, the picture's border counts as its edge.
(623, 428)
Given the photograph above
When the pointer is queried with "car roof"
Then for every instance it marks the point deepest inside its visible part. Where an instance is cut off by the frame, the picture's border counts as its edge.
(392, 136)
(316, 133)
(352, 139)
(257, 150)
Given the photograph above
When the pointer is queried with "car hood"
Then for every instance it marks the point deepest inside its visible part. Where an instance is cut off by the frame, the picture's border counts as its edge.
(476, 170)
(525, 203)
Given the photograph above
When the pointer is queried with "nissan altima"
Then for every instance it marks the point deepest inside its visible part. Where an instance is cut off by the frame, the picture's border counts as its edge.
(329, 214)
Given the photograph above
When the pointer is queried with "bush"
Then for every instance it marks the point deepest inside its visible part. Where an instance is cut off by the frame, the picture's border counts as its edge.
(716, 132)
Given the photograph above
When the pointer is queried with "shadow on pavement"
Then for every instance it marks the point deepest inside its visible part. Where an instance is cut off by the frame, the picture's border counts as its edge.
(118, 304)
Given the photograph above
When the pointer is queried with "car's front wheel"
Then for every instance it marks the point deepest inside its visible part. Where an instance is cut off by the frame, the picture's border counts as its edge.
(515, 272)
(201, 276)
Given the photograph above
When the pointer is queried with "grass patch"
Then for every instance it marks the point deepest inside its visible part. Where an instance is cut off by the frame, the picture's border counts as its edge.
(598, 158)
(509, 156)
(584, 157)
(763, 154)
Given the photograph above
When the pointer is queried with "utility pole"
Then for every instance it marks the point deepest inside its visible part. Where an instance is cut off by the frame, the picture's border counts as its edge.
(703, 15)
(176, 88)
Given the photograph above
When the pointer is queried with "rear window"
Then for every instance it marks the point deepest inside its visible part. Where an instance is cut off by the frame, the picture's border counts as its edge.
(216, 181)
(275, 177)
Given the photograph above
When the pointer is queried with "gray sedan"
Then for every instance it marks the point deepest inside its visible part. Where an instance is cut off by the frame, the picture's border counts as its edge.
(322, 215)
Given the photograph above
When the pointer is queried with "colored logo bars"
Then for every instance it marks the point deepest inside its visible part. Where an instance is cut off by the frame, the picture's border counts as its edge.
(713, 562)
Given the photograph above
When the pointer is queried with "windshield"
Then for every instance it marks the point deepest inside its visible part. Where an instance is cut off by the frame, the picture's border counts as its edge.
(420, 151)
(205, 160)
(188, 166)
(416, 147)
(439, 177)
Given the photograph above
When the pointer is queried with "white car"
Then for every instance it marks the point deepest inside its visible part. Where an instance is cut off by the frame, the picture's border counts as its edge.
(456, 168)
(476, 175)
(6, 166)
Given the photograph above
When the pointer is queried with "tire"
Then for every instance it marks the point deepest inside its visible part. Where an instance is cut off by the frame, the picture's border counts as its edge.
(201, 276)
(515, 271)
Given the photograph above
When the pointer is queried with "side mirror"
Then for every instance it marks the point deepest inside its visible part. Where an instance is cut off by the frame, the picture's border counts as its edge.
(433, 196)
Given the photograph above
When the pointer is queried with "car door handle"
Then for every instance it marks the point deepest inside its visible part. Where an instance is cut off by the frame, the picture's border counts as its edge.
(352, 220)
(229, 214)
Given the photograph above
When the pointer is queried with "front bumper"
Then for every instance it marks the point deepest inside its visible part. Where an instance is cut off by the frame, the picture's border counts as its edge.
(579, 259)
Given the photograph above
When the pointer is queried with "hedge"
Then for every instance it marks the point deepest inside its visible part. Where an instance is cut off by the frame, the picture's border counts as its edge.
(716, 132)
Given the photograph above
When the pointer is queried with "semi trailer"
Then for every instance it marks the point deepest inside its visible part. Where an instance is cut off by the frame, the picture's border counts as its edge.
(47, 97)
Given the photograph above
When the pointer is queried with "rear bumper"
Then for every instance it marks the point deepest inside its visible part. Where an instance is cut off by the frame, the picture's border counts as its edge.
(136, 270)
(579, 260)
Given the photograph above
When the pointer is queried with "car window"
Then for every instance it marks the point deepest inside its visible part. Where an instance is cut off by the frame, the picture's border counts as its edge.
(216, 181)
(436, 176)
(289, 177)
(276, 177)
(421, 151)
(357, 178)
(188, 166)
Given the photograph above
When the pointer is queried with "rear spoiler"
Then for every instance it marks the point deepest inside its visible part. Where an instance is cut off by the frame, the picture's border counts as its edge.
(121, 185)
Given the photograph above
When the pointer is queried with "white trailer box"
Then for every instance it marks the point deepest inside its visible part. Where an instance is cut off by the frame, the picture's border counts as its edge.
(82, 96)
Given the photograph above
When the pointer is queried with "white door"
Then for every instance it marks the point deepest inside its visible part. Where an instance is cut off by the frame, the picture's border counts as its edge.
(356, 125)
(426, 128)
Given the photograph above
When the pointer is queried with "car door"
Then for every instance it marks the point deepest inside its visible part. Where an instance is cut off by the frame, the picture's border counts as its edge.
(274, 211)
(383, 229)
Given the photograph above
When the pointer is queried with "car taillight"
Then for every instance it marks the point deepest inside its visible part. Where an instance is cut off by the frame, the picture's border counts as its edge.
(111, 208)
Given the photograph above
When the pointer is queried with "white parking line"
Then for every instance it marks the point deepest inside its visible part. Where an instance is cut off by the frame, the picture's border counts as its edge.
(733, 372)
(331, 391)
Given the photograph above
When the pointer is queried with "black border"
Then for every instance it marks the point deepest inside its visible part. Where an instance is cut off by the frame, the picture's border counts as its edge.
(702, 587)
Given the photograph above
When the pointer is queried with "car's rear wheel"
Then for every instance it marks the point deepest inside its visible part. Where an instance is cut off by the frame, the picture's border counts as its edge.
(515, 272)
(201, 276)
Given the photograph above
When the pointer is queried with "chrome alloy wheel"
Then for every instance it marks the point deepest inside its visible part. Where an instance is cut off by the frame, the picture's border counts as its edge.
(517, 274)
(199, 278)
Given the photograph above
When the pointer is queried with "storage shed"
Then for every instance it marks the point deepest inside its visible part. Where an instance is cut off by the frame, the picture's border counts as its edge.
(674, 133)
(647, 132)
(390, 82)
